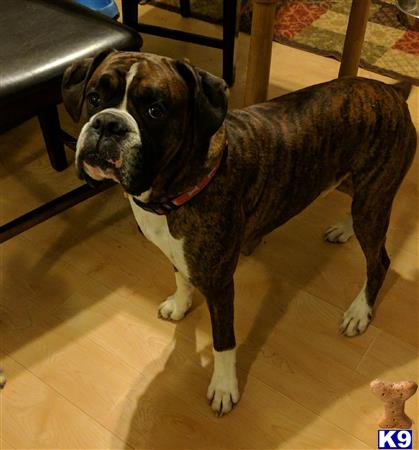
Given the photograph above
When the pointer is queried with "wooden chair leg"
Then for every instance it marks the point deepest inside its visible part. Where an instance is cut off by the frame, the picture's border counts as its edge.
(259, 61)
(130, 13)
(354, 38)
(230, 32)
(51, 130)
(185, 8)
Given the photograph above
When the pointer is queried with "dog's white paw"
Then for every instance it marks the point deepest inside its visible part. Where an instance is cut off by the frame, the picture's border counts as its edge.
(357, 317)
(223, 391)
(173, 309)
(341, 232)
(223, 394)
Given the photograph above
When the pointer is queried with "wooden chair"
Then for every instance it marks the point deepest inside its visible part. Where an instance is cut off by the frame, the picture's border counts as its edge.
(259, 61)
(226, 44)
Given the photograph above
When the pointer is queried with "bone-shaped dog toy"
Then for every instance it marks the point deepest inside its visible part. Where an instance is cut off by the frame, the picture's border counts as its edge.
(394, 396)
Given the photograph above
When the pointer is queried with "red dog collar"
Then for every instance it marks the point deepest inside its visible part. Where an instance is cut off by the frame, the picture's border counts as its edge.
(185, 197)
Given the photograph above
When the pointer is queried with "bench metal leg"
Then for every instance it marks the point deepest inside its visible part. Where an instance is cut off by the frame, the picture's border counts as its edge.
(50, 209)
(185, 8)
(230, 32)
(50, 125)
(130, 13)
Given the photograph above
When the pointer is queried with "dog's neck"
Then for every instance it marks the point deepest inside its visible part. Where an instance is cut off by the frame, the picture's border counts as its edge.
(190, 174)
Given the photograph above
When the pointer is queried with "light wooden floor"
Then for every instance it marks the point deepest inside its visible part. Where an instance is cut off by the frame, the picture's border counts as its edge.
(91, 366)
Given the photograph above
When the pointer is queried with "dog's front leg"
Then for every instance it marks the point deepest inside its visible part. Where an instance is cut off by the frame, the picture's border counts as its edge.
(177, 305)
(223, 390)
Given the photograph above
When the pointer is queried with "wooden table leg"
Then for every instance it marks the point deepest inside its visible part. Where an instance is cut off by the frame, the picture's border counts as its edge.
(354, 39)
(259, 62)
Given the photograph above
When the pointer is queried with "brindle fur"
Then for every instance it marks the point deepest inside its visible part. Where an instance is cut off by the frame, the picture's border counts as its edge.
(311, 138)
(281, 155)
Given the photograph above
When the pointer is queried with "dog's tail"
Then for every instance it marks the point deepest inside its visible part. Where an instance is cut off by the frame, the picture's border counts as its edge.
(403, 88)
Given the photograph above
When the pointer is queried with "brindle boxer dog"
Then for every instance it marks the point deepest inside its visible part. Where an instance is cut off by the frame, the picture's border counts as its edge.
(205, 183)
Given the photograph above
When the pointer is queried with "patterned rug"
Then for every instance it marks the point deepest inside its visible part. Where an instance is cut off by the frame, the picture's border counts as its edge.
(319, 26)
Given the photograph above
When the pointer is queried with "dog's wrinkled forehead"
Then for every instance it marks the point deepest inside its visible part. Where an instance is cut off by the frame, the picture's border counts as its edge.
(142, 71)
(113, 68)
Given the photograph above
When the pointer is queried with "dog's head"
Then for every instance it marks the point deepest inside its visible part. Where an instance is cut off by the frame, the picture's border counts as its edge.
(146, 114)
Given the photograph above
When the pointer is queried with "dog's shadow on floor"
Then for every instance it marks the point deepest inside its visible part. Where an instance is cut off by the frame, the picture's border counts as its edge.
(172, 412)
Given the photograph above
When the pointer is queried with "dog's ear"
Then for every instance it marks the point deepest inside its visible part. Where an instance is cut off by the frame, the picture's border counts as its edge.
(75, 79)
(209, 96)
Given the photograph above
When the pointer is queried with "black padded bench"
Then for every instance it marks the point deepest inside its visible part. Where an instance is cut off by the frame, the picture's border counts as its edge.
(39, 39)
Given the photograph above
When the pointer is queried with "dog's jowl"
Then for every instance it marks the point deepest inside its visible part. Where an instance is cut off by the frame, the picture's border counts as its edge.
(205, 183)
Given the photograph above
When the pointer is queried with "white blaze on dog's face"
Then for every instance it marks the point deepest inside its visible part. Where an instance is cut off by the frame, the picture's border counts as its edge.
(146, 114)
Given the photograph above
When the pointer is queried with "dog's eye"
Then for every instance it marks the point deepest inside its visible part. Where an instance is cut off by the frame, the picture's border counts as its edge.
(155, 111)
(94, 99)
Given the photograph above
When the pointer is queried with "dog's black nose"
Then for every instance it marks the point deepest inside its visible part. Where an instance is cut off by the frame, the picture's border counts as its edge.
(109, 125)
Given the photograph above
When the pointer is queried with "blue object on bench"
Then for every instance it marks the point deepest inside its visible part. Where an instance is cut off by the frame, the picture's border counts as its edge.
(106, 7)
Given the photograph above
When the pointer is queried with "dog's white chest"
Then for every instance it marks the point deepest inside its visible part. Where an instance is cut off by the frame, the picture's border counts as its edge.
(156, 230)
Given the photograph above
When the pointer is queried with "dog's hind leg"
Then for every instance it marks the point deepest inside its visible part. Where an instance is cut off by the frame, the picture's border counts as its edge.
(371, 209)
(374, 189)
(342, 231)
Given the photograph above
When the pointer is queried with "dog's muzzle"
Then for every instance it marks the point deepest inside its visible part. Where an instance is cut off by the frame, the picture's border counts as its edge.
(107, 143)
